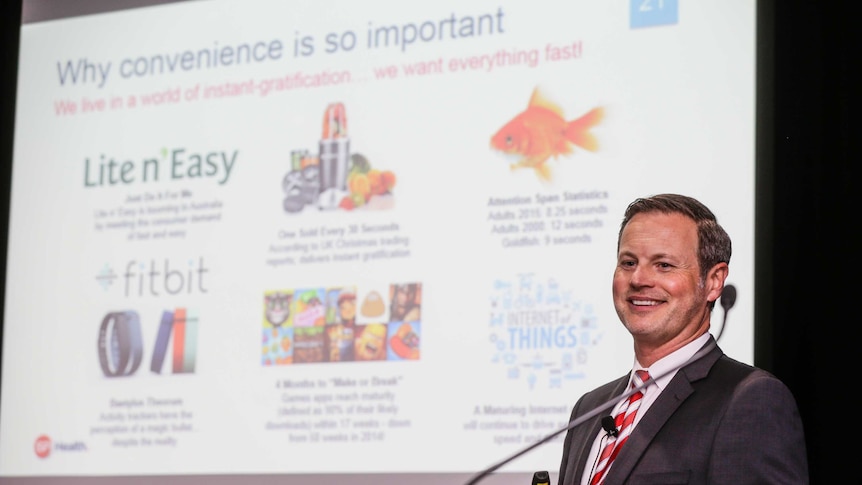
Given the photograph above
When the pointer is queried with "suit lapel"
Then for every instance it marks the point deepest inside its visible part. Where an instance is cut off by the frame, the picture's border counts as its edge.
(677, 391)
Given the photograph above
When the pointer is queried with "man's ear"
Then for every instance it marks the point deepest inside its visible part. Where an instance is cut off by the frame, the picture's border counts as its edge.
(715, 281)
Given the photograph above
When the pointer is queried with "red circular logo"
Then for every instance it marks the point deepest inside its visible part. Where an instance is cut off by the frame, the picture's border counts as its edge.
(42, 447)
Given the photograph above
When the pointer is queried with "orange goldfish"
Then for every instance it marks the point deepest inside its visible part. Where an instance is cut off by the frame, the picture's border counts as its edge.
(541, 132)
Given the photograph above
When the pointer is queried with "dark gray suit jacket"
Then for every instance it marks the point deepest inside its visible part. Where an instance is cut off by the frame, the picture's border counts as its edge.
(719, 421)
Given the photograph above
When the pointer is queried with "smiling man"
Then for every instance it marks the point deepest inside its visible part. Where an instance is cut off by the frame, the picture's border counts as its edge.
(686, 412)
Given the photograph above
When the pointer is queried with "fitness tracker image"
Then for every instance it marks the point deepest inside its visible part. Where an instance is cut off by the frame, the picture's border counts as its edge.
(119, 344)
(176, 342)
(166, 326)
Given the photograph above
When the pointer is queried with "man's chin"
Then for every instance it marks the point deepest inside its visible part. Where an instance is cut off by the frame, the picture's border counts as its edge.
(638, 324)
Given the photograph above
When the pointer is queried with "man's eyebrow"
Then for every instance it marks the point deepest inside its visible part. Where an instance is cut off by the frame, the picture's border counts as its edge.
(651, 257)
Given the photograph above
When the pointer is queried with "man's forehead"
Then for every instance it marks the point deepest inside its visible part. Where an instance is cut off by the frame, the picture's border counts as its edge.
(659, 234)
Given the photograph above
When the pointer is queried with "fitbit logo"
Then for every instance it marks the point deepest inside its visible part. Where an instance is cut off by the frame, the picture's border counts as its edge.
(120, 343)
(157, 278)
(105, 277)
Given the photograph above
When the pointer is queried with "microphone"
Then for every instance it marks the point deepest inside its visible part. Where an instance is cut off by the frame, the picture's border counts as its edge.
(591, 413)
(728, 297)
(727, 300)
(610, 426)
(541, 478)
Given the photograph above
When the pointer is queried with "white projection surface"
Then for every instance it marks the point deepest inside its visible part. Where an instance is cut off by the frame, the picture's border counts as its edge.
(348, 240)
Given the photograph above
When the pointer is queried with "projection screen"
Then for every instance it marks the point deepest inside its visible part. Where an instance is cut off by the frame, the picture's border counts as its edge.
(347, 241)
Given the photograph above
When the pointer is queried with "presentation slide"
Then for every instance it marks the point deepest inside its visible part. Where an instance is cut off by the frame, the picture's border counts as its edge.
(348, 238)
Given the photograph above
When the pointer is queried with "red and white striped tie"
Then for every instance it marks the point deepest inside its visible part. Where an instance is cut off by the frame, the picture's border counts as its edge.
(623, 422)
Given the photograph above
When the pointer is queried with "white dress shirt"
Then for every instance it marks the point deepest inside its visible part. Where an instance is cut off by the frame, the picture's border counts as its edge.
(662, 371)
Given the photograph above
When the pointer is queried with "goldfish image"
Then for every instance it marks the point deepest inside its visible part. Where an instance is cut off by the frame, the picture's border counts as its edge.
(541, 132)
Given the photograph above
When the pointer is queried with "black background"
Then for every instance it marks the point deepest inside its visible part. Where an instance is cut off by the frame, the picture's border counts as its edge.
(808, 255)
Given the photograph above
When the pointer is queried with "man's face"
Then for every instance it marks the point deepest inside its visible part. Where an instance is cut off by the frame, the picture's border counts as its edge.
(658, 293)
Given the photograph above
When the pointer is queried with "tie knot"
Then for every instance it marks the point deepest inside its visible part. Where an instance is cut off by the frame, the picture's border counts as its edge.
(641, 376)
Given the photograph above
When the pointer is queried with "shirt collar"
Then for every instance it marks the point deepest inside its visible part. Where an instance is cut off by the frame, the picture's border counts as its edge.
(670, 364)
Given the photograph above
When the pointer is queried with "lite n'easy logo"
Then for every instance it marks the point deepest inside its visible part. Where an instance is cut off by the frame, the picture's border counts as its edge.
(120, 343)
(177, 163)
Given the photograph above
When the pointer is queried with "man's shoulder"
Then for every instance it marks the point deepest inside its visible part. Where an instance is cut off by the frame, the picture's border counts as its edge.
(729, 365)
(732, 373)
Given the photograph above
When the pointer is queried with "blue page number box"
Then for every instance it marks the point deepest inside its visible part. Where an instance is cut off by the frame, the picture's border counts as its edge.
(649, 13)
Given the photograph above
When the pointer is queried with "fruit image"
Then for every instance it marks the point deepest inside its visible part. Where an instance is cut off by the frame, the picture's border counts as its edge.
(375, 180)
(358, 183)
(387, 177)
(365, 183)
(347, 203)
